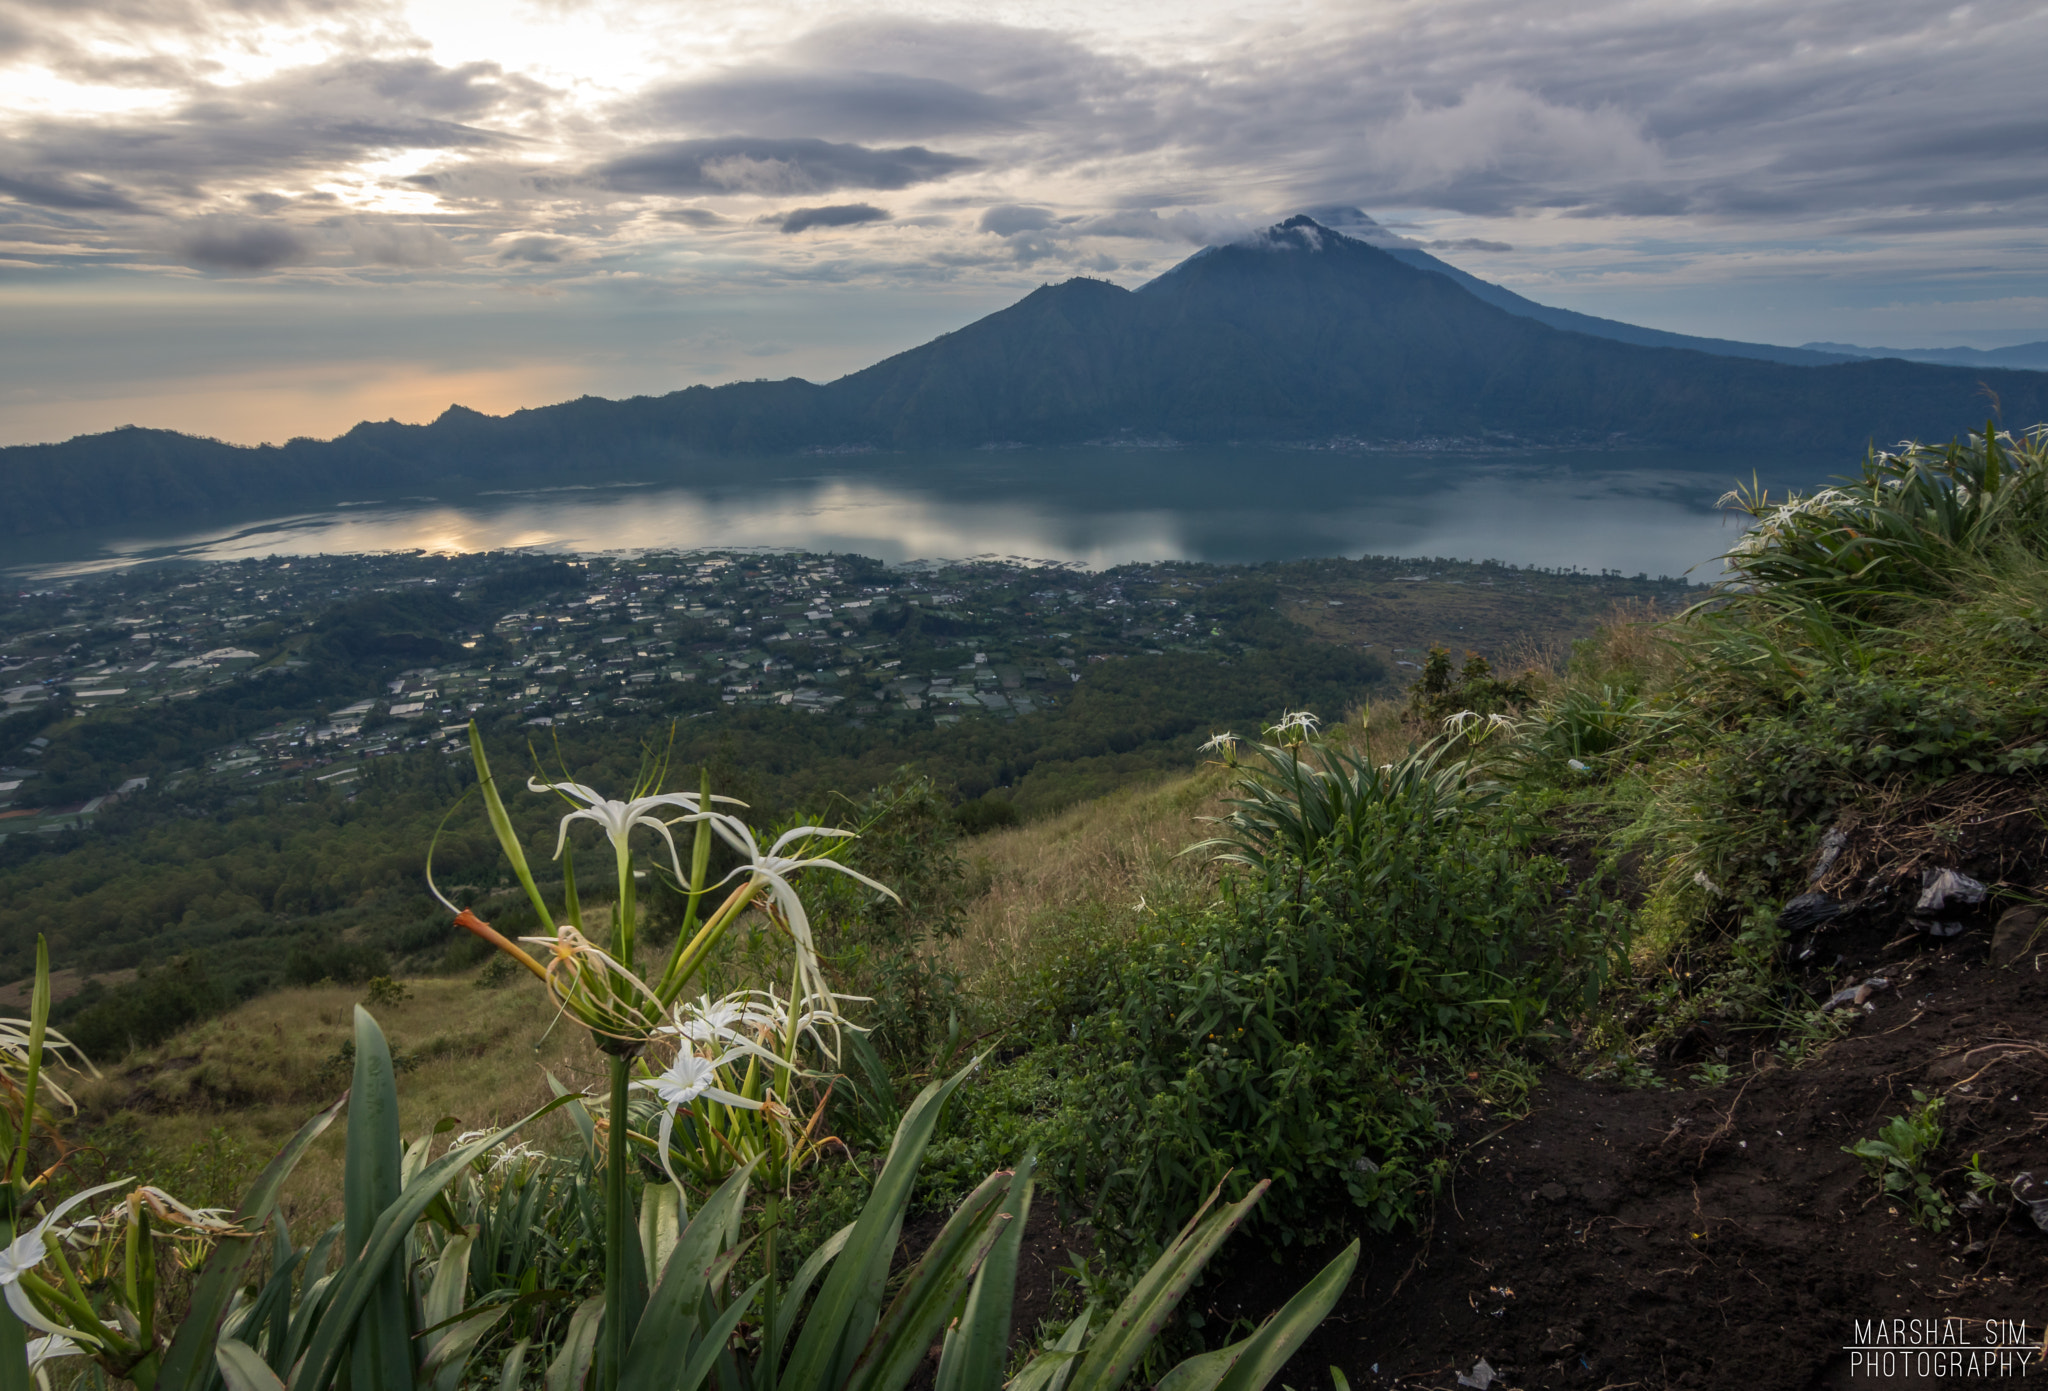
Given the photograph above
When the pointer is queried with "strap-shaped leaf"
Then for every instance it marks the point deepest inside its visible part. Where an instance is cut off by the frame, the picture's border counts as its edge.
(933, 1292)
(190, 1357)
(353, 1287)
(1053, 1367)
(1249, 1364)
(792, 1298)
(448, 1356)
(1144, 1312)
(850, 1301)
(661, 1222)
(572, 1364)
(712, 1346)
(242, 1369)
(371, 1182)
(669, 1324)
(980, 1346)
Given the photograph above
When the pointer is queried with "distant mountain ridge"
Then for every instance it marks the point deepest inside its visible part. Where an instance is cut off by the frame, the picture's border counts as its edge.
(2032, 357)
(1297, 334)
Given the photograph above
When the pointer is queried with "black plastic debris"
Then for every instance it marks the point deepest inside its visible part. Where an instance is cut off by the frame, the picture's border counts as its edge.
(1945, 888)
(1809, 912)
(1943, 894)
(2032, 1194)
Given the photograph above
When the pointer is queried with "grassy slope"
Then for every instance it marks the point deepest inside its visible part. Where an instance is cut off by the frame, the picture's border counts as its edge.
(257, 1072)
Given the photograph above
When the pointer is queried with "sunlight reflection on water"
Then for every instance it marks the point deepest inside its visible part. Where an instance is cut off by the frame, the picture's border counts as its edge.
(1610, 513)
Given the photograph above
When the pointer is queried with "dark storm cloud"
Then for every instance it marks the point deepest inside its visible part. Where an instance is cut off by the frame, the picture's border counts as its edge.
(233, 244)
(798, 102)
(749, 164)
(835, 215)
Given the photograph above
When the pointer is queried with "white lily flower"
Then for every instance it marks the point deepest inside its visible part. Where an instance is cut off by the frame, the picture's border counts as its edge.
(1224, 742)
(772, 869)
(1294, 721)
(49, 1348)
(737, 1020)
(27, 1251)
(619, 818)
(687, 1078)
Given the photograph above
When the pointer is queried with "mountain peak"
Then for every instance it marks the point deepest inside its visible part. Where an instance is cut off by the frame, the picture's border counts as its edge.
(1298, 233)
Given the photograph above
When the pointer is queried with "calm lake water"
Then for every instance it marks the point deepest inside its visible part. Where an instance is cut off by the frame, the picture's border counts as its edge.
(1635, 512)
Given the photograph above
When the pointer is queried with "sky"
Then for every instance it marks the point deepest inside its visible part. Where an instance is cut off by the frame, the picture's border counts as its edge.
(258, 219)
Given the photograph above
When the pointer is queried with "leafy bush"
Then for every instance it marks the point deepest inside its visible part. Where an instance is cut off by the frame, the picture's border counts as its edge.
(147, 1010)
(1286, 1030)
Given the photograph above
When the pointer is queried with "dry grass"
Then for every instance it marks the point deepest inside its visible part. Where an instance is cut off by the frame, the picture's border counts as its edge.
(1102, 860)
(262, 1070)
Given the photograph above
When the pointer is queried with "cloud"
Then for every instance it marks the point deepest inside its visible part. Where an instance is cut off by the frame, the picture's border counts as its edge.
(70, 194)
(793, 101)
(401, 242)
(1007, 219)
(691, 217)
(751, 164)
(538, 250)
(238, 244)
(1468, 244)
(836, 215)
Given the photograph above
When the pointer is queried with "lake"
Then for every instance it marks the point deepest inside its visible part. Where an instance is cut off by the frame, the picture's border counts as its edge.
(1633, 512)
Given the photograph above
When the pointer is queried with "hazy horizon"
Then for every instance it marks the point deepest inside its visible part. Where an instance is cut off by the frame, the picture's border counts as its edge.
(254, 219)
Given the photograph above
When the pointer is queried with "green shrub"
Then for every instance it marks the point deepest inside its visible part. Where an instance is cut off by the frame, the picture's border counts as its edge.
(1291, 1030)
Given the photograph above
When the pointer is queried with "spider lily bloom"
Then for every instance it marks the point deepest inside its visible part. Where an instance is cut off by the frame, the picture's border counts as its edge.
(1299, 723)
(619, 818)
(1488, 725)
(770, 870)
(49, 1348)
(1225, 744)
(29, 1250)
(689, 1077)
(590, 986)
(740, 1018)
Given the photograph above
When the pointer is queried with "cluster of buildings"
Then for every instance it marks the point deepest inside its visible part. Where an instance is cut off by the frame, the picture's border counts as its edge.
(586, 639)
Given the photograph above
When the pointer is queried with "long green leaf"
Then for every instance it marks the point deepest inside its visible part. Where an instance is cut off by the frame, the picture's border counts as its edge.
(669, 1325)
(501, 824)
(14, 1372)
(371, 1183)
(579, 1348)
(1248, 1365)
(514, 1371)
(353, 1287)
(1144, 1312)
(793, 1297)
(711, 1347)
(1053, 1367)
(980, 1346)
(933, 1292)
(661, 1223)
(447, 1360)
(191, 1351)
(851, 1300)
(242, 1369)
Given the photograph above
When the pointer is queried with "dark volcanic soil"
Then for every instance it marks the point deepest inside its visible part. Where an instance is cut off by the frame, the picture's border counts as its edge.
(1721, 1237)
(1619, 1238)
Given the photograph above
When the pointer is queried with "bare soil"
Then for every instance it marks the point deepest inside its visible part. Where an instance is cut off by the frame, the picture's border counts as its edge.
(1720, 1237)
